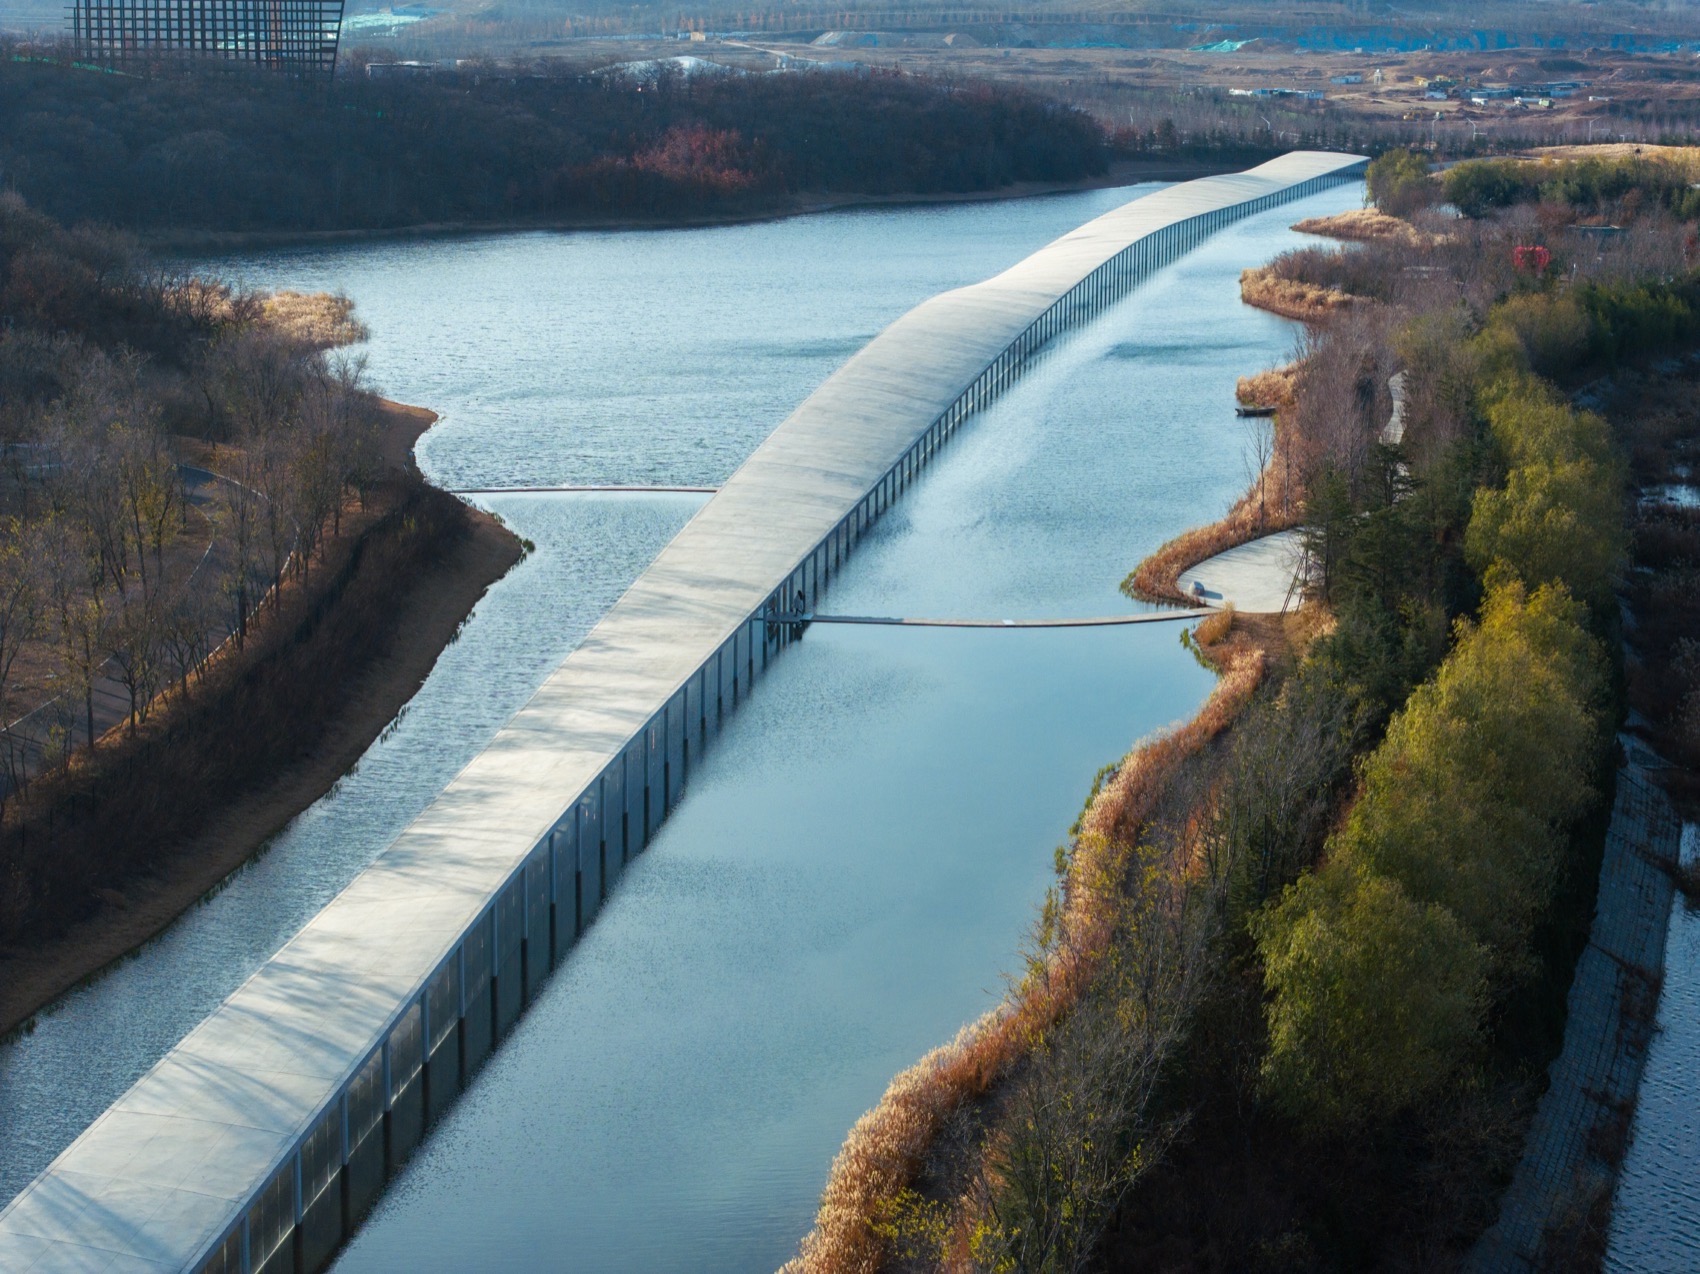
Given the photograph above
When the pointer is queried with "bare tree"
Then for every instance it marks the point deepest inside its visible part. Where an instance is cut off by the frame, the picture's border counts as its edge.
(1259, 451)
(152, 495)
(20, 616)
(138, 657)
(238, 520)
(186, 628)
(84, 628)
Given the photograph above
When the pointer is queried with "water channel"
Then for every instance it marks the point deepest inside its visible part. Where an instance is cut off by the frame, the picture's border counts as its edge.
(858, 859)
(1654, 1226)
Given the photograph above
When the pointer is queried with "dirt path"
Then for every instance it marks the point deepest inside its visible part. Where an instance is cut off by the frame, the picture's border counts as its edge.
(434, 611)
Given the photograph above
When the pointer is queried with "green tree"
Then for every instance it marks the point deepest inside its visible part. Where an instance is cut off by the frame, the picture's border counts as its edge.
(1478, 186)
(1551, 524)
(1376, 999)
(1464, 801)
(1399, 182)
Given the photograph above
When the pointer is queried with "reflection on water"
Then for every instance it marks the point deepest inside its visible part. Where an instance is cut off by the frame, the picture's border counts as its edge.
(1654, 1224)
(1679, 495)
(645, 356)
(857, 861)
(848, 874)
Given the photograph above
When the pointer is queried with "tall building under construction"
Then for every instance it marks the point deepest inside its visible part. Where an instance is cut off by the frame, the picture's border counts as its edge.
(297, 37)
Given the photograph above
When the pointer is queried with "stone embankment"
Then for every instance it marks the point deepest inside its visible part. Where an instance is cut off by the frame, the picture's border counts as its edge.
(1581, 1127)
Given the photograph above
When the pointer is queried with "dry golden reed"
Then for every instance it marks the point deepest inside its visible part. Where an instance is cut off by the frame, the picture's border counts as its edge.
(311, 320)
(1217, 626)
(1271, 504)
(1291, 298)
(885, 1150)
(317, 320)
(1275, 387)
(1684, 157)
(1368, 225)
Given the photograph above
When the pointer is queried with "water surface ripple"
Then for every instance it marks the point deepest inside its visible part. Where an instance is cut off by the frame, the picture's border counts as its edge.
(857, 861)
(554, 359)
(1654, 1224)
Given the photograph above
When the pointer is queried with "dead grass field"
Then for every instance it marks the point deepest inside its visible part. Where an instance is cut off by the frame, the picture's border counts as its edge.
(1272, 387)
(1687, 157)
(318, 320)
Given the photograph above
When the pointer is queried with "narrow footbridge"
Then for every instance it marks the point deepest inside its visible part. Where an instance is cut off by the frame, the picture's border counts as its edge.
(1100, 621)
(259, 1142)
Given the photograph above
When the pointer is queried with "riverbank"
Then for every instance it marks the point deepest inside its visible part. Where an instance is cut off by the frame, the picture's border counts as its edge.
(915, 1173)
(913, 1177)
(431, 608)
(1126, 172)
(1271, 503)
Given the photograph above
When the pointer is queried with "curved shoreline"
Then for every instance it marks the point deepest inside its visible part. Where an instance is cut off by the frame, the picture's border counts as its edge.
(1121, 173)
(887, 1150)
(608, 725)
(438, 603)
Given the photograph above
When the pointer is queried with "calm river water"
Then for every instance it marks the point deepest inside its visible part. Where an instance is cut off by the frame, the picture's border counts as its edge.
(857, 861)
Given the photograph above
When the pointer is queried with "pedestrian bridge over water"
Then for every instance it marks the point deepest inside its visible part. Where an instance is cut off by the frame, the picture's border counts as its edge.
(260, 1140)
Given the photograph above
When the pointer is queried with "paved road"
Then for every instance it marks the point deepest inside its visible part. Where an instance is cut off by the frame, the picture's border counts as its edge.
(1259, 577)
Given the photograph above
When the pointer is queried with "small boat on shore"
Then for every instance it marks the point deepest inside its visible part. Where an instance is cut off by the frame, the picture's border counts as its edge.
(1253, 411)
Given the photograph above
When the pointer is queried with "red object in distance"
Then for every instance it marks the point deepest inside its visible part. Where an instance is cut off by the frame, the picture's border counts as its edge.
(1531, 257)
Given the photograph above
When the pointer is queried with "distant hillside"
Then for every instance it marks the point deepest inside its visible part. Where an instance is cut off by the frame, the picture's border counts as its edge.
(227, 151)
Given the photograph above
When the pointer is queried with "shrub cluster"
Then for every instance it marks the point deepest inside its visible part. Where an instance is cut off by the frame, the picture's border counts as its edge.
(1399, 182)
(1612, 187)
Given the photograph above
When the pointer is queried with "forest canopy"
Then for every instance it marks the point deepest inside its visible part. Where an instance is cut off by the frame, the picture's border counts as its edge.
(217, 150)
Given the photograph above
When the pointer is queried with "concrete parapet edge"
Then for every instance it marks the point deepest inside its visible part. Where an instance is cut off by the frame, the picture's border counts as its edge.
(262, 1138)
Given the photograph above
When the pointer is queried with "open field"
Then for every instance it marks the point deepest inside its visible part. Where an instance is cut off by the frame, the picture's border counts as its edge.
(1635, 97)
(1506, 74)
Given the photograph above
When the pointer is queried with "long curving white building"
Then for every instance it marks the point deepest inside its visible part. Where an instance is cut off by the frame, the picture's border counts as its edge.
(261, 1139)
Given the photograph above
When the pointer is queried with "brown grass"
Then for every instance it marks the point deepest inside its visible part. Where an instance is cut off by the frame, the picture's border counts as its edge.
(1275, 387)
(310, 320)
(1686, 157)
(1212, 630)
(1290, 298)
(1369, 225)
(885, 1151)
